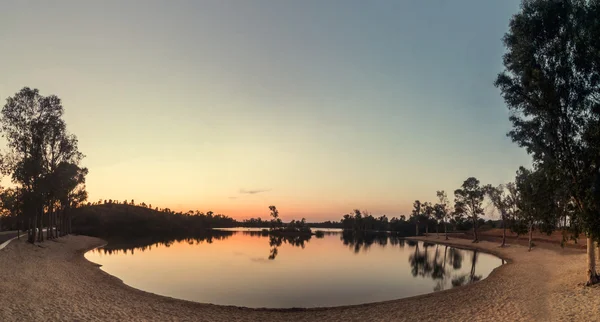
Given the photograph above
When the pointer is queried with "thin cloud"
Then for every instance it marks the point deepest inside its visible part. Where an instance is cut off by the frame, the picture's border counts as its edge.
(232, 197)
(252, 192)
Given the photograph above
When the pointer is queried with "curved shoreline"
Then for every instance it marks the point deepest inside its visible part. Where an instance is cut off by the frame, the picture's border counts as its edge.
(296, 309)
(526, 288)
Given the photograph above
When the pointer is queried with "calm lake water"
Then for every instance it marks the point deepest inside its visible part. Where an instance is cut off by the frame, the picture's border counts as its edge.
(245, 268)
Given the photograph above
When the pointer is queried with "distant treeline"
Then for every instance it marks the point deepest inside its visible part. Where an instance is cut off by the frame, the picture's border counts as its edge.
(260, 223)
(127, 220)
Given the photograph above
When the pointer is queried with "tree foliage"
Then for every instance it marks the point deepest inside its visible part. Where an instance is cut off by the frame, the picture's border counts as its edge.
(468, 200)
(42, 160)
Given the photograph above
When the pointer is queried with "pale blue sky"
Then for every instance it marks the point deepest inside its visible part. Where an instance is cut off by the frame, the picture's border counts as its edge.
(329, 105)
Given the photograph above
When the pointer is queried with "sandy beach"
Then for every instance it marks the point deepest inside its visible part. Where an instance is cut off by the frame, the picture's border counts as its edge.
(55, 282)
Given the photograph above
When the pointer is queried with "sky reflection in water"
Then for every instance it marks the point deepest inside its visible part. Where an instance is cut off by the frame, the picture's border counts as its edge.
(249, 268)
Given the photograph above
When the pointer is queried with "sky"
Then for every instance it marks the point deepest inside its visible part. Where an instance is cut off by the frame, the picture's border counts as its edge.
(317, 107)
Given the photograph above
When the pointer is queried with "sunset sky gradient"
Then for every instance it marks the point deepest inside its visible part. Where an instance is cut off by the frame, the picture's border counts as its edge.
(317, 107)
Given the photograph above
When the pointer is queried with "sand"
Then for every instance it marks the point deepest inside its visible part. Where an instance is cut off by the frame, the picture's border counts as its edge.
(55, 282)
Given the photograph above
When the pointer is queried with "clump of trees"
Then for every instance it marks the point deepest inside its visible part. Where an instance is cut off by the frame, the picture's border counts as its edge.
(551, 85)
(113, 220)
(43, 162)
(363, 222)
(276, 226)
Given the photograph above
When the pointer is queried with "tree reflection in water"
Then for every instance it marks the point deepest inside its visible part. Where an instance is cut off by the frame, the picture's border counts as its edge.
(425, 264)
(358, 241)
(276, 240)
(116, 246)
(427, 260)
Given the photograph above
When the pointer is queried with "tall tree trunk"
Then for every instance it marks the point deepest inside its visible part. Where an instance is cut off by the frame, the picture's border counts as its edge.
(30, 237)
(591, 262)
(446, 230)
(426, 228)
(437, 229)
(417, 229)
(41, 227)
(50, 223)
(476, 240)
(503, 231)
(530, 235)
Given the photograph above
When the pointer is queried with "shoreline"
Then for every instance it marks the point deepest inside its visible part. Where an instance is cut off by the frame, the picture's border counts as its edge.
(57, 280)
(300, 309)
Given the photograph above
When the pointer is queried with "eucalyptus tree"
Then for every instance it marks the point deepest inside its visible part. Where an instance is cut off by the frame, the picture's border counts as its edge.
(427, 214)
(537, 201)
(38, 142)
(416, 214)
(70, 193)
(468, 199)
(502, 202)
(276, 221)
(551, 85)
(443, 209)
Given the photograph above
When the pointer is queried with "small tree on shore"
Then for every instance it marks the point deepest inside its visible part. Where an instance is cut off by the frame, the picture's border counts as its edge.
(444, 209)
(427, 214)
(416, 214)
(468, 201)
(276, 221)
(501, 201)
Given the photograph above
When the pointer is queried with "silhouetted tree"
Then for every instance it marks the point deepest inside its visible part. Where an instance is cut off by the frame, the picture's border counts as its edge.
(502, 202)
(38, 143)
(427, 214)
(416, 214)
(443, 209)
(468, 201)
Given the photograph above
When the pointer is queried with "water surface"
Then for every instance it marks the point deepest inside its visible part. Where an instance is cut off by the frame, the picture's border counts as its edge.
(247, 268)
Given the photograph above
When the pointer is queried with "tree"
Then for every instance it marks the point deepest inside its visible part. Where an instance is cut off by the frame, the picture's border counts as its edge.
(70, 192)
(38, 142)
(502, 202)
(438, 214)
(427, 213)
(551, 85)
(416, 213)
(468, 201)
(537, 202)
(443, 209)
(276, 221)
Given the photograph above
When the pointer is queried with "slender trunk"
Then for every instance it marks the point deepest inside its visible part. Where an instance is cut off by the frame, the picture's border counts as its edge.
(417, 229)
(503, 231)
(41, 227)
(426, 228)
(476, 240)
(29, 231)
(591, 262)
(437, 229)
(530, 235)
(49, 228)
(70, 228)
(59, 225)
(446, 230)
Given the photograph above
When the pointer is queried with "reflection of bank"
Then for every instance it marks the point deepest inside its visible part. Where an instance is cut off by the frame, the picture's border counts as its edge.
(362, 240)
(425, 264)
(277, 240)
(116, 246)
